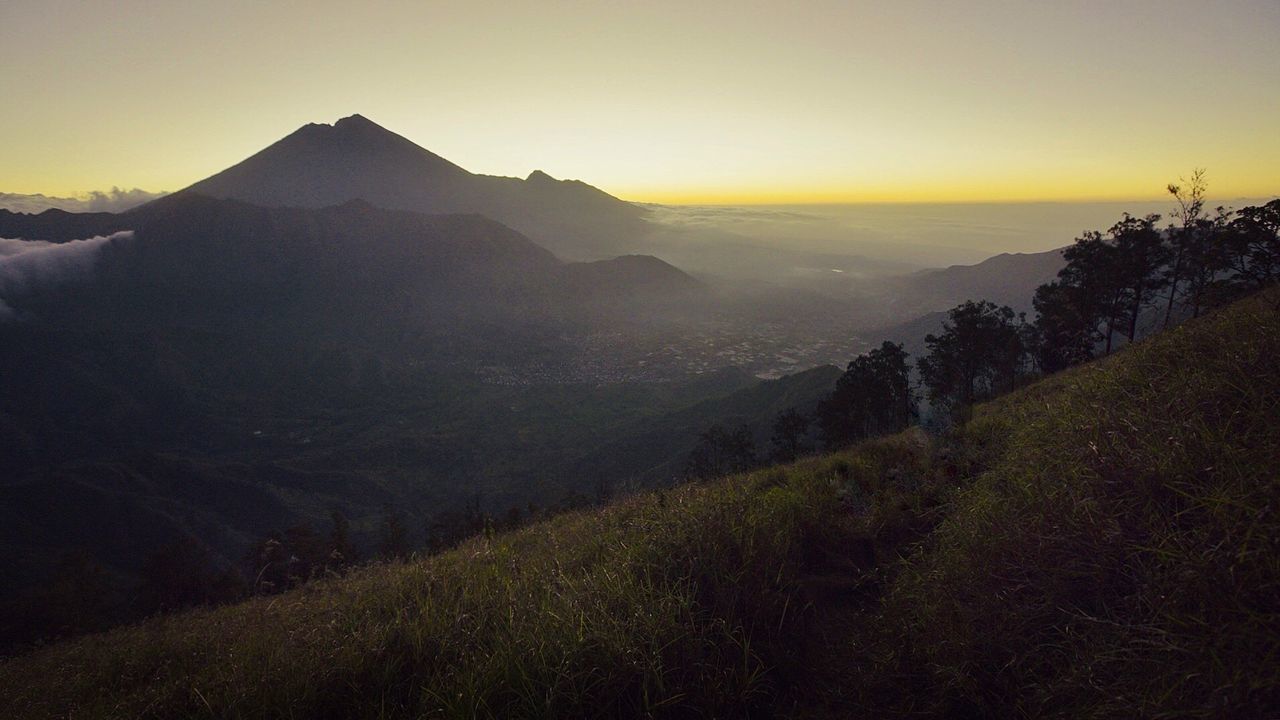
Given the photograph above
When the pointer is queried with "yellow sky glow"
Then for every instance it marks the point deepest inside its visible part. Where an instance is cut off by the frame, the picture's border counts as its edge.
(716, 102)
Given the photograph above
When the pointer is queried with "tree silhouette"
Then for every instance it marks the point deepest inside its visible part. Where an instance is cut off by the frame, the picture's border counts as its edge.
(1091, 270)
(1065, 326)
(789, 430)
(979, 352)
(872, 397)
(721, 452)
(1138, 257)
(1183, 237)
(1252, 246)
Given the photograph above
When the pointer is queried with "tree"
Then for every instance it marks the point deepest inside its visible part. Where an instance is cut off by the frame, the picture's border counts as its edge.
(1183, 237)
(979, 352)
(1106, 284)
(1138, 259)
(1210, 263)
(1091, 271)
(1065, 327)
(789, 430)
(721, 452)
(873, 397)
(1199, 251)
(1251, 244)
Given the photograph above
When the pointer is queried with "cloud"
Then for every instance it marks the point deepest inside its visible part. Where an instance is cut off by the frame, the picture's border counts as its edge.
(113, 200)
(30, 265)
(716, 215)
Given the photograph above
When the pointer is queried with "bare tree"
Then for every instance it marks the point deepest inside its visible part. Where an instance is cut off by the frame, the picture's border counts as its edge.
(1183, 238)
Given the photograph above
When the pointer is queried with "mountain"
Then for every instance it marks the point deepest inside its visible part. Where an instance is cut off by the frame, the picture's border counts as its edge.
(320, 165)
(1098, 544)
(1005, 279)
(640, 308)
(442, 269)
(299, 274)
(60, 225)
(911, 334)
(629, 273)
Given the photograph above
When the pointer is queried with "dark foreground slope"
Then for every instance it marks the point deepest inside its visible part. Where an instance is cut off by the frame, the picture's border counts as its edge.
(1100, 544)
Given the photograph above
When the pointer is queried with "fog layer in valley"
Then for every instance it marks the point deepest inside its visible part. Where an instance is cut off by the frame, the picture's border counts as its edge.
(873, 238)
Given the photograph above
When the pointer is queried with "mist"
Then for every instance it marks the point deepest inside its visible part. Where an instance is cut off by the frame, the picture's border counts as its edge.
(878, 239)
(37, 265)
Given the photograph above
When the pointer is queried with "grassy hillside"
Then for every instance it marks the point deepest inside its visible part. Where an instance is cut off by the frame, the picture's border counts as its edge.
(1119, 549)
(1100, 544)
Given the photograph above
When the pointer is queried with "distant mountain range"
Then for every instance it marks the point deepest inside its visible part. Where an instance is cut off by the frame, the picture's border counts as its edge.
(1005, 279)
(899, 302)
(303, 276)
(321, 165)
(113, 200)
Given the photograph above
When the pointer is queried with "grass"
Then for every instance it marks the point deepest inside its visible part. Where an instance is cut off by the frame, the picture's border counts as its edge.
(1117, 552)
(671, 604)
(1103, 543)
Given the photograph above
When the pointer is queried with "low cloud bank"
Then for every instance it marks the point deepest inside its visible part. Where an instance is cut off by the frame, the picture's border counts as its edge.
(920, 234)
(30, 265)
(113, 200)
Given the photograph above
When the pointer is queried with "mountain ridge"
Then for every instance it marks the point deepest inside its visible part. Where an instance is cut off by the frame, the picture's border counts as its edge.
(319, 165)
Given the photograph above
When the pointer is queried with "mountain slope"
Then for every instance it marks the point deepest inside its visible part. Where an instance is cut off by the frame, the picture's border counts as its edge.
(225, 264)
(320, 165)
(397, 266)
(1079, 549)
(1003, 278)
(1006, 279)
(59, 225)
(916, 305)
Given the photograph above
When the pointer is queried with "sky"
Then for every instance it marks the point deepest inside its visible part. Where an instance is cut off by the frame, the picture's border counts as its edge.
(676, 102)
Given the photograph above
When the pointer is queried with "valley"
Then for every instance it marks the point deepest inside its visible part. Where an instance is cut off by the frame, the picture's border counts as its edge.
(337, 325)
